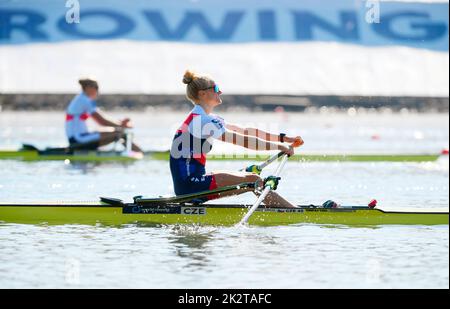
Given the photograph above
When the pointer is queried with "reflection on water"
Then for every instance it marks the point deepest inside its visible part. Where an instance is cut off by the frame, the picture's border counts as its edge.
(205, 257)
(191, 242)
(86, 168)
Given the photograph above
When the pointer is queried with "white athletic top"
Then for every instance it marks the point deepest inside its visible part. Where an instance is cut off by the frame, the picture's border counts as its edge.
(206, 126)
(79, 110)
(198, 129)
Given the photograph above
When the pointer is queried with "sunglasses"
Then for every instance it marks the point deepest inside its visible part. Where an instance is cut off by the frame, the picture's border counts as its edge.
(215, 87)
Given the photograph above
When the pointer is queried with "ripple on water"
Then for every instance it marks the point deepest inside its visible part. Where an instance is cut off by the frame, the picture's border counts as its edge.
(298, 256)
(203, 257)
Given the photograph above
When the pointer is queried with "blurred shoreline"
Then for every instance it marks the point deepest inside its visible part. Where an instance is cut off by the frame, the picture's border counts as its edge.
(305, 103)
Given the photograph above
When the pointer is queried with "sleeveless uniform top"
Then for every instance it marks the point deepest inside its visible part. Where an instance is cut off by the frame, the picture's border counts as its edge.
(79, 110)
(192, 141)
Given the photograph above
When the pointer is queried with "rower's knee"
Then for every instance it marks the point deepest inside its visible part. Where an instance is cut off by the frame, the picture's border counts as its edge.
(252, 178)
(118, 136)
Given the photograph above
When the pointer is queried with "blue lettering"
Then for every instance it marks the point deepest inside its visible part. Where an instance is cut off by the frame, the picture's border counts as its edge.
(191, 19)
(124, 25)
(305, 22)
(267, 25)
(26, 21)
(430, 31)
(424, 26)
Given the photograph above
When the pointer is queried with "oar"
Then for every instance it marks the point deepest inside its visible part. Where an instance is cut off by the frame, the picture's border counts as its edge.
(268, 187)
(266, 191)
(257, 169)
(129, 135)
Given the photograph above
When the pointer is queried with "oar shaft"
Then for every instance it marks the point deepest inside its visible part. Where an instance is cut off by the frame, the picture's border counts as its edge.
(256, 205)
(264, 193)
(129, 139)
(263, 165)
(270, 160)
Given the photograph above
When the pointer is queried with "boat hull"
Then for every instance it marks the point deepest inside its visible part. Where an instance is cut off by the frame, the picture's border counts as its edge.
(213, 215)
(82, 156)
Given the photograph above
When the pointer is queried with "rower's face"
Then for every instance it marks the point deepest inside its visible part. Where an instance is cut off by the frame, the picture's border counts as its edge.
(211, 96)
(91, 92)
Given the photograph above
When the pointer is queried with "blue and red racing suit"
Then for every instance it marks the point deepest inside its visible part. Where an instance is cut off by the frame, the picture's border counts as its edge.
(192, 141)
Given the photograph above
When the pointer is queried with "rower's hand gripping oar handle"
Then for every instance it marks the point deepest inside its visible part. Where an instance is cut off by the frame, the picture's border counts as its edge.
(257, 169)
(272, 182)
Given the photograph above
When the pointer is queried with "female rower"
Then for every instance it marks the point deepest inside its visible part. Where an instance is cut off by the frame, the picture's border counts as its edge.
(193, 140)
(80, 109)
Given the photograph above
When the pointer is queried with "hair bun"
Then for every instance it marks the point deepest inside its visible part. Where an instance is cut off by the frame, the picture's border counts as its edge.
(88, 82)
(189, 77)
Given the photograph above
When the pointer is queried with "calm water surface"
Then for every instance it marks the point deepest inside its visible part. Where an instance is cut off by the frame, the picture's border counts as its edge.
(297, 256)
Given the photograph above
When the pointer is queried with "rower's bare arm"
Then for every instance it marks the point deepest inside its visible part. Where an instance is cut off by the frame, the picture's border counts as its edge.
(103, 121)
(260, 134)
(253, 132)
(250, 142)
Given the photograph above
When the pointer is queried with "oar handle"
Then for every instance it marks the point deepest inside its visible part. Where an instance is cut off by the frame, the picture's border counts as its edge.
(257, 169)
(297, 143)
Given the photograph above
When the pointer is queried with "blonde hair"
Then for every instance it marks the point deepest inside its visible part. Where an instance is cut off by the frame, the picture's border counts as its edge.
(195, 83)
(88, 82)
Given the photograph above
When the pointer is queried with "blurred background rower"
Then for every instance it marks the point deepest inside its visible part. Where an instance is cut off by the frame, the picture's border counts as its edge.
(80, 109)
